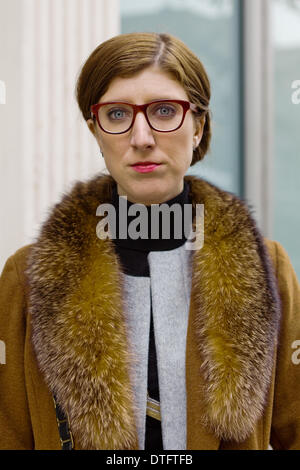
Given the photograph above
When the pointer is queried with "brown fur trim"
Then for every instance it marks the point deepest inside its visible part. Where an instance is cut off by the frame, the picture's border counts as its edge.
(79, 329)
(78, 323)
(238, 313)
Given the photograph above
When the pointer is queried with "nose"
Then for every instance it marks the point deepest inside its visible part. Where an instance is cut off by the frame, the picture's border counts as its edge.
(141, 133)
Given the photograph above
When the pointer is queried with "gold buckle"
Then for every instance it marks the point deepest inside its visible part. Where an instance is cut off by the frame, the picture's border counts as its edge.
(153, 408)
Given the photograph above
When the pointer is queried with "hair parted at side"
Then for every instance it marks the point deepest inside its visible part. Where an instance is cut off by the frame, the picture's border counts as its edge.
(127, 54)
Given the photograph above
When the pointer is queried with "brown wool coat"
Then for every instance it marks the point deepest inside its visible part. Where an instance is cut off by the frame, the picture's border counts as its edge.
(63, 324)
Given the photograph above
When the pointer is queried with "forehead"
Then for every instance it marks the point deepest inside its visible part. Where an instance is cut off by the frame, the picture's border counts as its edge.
(150, 84)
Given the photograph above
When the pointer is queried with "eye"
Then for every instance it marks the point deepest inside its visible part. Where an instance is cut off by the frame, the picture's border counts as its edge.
(116, 114)
(164, 110)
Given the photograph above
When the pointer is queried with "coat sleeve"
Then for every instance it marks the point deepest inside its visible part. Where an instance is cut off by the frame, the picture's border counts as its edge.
(285, 430)
(15, 423)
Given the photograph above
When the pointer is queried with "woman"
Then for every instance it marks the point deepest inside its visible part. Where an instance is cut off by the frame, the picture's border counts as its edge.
(141, 343)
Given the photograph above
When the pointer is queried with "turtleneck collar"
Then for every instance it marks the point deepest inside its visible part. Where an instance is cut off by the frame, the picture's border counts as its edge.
(150, 244)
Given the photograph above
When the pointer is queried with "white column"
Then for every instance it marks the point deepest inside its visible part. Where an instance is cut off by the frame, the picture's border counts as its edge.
(10, 127)
(45, 144)
(258, 110)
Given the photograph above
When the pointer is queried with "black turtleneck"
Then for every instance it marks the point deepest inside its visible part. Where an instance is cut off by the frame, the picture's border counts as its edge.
(134, 263)
(133, 255)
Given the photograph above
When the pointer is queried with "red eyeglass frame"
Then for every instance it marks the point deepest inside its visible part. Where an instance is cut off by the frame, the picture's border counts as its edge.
(186, 105)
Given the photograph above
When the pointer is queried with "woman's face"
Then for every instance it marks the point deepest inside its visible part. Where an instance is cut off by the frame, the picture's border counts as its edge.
(173, 150)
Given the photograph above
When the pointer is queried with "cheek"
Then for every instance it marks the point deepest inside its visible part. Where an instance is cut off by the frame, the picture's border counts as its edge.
(111, 147)
(113, 152)
(185, 150)
(185, 135)
(182, 147)
(107, 145)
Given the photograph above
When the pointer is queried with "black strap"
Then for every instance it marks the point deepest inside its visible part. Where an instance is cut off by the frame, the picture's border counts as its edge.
(65, 434)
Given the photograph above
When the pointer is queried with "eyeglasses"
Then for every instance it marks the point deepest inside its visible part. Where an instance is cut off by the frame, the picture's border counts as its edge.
(162, 115)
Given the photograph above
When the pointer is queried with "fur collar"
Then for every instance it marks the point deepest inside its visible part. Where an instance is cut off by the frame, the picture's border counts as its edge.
(79, 329)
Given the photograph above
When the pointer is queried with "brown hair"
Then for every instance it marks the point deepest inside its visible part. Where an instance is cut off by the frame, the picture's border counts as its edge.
(127, 54)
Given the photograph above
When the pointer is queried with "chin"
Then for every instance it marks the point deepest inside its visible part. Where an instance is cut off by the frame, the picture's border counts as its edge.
(151, 191)
(154, 197)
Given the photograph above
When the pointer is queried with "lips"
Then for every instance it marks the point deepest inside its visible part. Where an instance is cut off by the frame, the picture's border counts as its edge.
(146, 163)
(145, 167)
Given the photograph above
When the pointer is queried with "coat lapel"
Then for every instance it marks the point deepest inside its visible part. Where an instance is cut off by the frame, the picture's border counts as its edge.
(79, 329)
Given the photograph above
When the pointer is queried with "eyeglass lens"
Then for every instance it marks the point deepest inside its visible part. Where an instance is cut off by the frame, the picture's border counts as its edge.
(117, 117)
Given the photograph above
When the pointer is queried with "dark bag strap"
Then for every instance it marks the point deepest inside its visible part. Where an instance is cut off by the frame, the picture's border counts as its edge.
(65, 434)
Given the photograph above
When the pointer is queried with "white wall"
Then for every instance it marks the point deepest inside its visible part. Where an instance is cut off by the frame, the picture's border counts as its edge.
(45, 144)
(10, 146)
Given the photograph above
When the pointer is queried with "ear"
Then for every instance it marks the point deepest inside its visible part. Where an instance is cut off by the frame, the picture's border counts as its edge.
(199, 131)
(91, 126)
